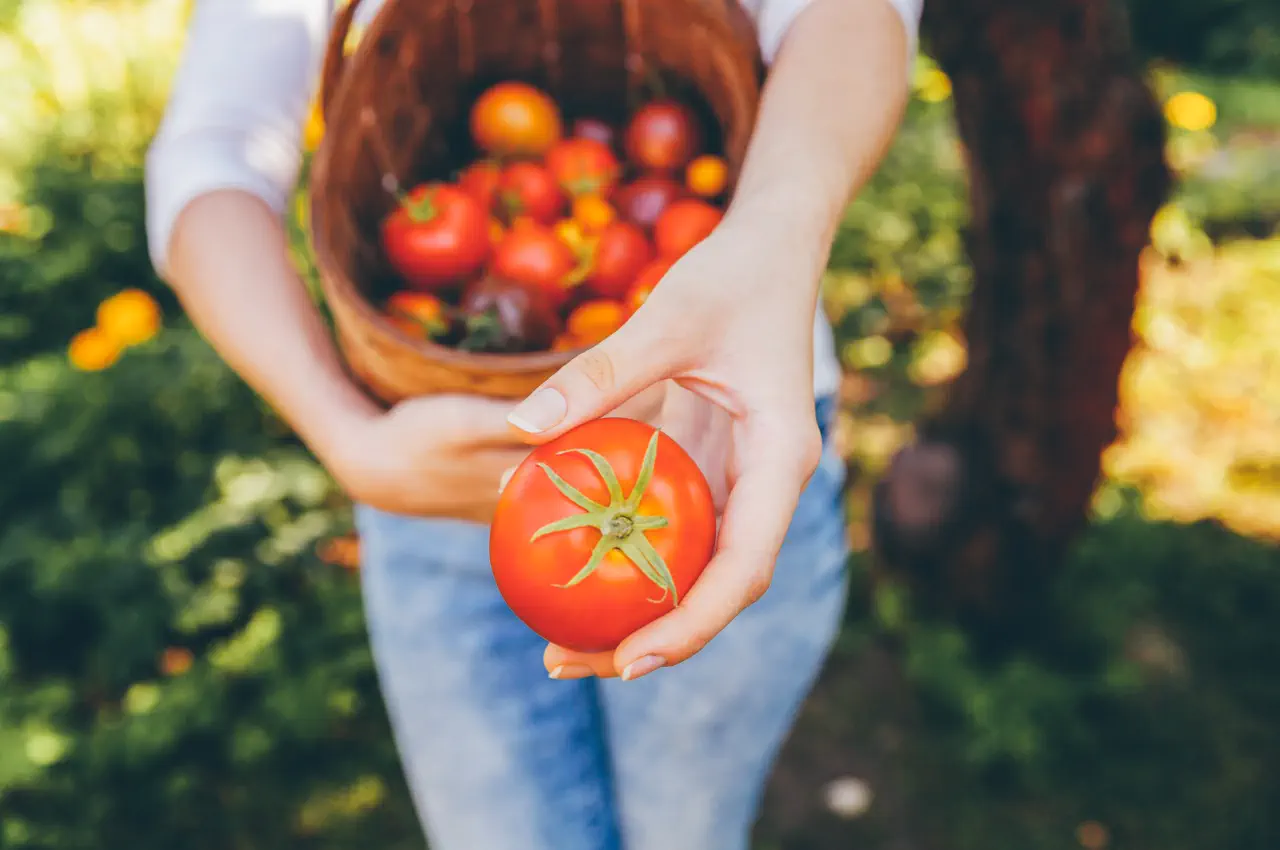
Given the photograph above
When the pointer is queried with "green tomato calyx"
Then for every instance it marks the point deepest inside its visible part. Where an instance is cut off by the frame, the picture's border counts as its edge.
(620, 523)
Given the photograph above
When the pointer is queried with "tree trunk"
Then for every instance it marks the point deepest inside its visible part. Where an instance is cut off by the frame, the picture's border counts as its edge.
(1065, 154)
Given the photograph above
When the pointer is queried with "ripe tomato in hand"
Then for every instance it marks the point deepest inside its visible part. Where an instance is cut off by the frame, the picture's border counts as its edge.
(583, 166)
(662, 135)
(480, 180)
(515, 119)
(529, 189)
(642, 200)
(601, 531)
(535, 256)
(684, 224)
(620, 253)
(437, 238)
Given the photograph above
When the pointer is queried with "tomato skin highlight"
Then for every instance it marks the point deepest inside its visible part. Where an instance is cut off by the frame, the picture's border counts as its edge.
(662, 135)
(616, 599)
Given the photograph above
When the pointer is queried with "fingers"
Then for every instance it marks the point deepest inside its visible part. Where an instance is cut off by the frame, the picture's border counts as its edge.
(464, 419)
(776, 463)
(600, 379)
(564, 663)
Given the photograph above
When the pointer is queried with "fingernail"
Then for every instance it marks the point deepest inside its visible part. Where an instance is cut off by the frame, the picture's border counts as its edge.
(505, 479)
(641, 667)
(540, 411)
(571, 671)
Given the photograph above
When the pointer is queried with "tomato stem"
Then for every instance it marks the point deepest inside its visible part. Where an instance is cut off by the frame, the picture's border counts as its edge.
(620, 524)
(421, 209)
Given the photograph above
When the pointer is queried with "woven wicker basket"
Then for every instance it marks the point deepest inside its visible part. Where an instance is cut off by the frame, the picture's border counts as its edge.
(397, 111)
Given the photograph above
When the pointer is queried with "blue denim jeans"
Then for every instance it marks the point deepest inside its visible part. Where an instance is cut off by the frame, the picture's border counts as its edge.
(500, 757)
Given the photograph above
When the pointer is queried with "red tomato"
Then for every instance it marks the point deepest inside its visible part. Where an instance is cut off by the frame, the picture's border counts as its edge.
(534, 255)
(642, 200)
(480, 180)
(684, 224)
(437, 238)
(662, 136)
(583, 166)
(644, 283)
(528, 189)
(515, 119)
(586, 574)
(420, 315)
(621, 252)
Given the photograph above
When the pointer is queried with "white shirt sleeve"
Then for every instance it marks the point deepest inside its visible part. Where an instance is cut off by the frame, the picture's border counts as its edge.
(237, 107)
(774, 18)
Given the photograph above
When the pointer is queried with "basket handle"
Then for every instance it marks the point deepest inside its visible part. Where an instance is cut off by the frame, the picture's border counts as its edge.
(335, 54)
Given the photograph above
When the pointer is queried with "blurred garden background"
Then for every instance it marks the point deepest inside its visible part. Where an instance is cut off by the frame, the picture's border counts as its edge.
(182, 651)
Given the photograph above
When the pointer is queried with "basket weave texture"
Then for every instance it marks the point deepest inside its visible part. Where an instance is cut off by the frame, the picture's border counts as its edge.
(397, 112)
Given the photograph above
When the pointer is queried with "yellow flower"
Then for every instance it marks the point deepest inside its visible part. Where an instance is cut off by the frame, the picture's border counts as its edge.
(1190, 110)
(933, 86)
(313, 132)
(91, 350)
(130, 317)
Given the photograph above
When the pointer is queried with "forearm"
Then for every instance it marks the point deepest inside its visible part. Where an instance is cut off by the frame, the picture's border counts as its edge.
(828, 112)
(229, 266)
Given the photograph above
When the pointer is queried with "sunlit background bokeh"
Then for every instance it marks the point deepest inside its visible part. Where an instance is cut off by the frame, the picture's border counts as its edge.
(182, 657)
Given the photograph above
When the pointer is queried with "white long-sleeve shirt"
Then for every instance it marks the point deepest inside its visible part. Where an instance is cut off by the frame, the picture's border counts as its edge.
(244, 89)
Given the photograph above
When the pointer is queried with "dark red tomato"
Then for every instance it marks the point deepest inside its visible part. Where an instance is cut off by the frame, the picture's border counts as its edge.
(480, 180)
(583, 166)
(529, 189)
(621, 252)
(642, 200)
(594, 128)
(683, 225)
(601, 531)
(662, 135)
(506, 317)
(534, 255)
(437, 238)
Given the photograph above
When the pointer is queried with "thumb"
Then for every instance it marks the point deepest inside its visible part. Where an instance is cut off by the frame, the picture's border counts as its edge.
(597, 381)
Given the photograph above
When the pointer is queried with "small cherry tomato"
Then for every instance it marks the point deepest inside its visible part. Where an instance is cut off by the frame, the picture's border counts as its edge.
(566, 342)
(594, 128)
(593, 213)
(535, 256)
(420, 315)
(526, 188)
(684, 224)
(662, 135)
(582, 166)
(437, 237)
(642, 200)
(515, 119)
(620, 253)
(599, 532)
(480, 180)
(707, 176)
(644, 283)
(592, 321)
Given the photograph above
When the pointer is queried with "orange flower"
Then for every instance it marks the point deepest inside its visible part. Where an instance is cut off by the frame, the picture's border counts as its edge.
(175, 661)
(130, 317)
(91, 350)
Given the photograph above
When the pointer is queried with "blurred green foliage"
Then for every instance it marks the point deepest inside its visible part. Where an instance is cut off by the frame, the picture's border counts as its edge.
(179, 668)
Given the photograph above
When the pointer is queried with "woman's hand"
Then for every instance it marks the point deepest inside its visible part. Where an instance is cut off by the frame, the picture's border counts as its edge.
(729, 324)
(732, 322)
(434, 456)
